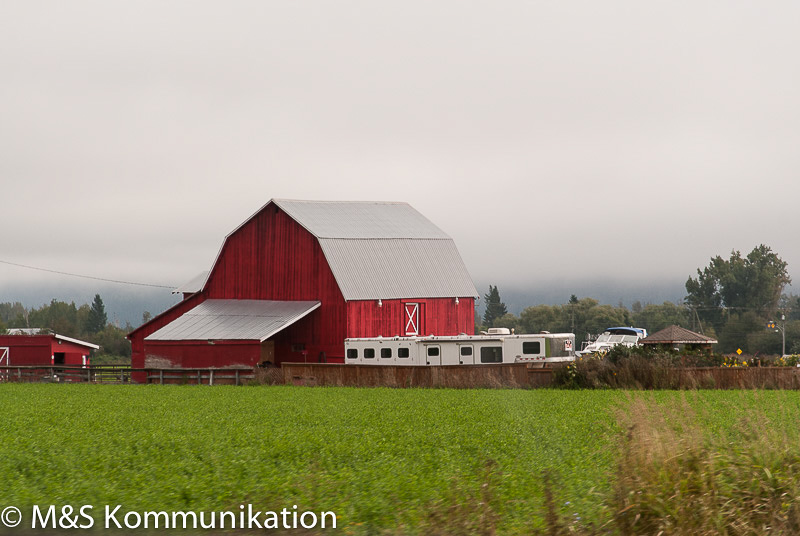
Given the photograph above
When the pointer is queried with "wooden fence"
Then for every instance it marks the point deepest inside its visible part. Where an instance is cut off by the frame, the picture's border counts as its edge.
(122, 374)
(512, 375)
(517, 375)
(736, 377)
(198, 376)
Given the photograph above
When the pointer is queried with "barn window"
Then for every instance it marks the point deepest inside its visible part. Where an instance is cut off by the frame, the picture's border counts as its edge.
(492, 354)
(534, 347)
(386, 352)
(402, 352)
(466, 351)
(352, 353)
(369, 353)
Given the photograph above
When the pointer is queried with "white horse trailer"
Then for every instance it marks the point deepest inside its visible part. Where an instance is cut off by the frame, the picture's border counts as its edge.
(496, 346)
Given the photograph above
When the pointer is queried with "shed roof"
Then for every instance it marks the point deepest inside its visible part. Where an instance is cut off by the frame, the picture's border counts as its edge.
(382, 250)
(32, 332)
(234, 320)
(677, 335)
(195, 284)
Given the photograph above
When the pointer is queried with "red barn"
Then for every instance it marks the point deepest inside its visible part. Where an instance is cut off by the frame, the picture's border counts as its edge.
(298, 277)
(36, 347)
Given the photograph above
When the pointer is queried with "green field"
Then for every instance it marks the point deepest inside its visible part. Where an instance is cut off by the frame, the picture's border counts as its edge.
(402, 461)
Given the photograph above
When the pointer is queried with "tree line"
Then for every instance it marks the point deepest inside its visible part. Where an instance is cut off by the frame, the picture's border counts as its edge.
(87, 322)
(731, 300)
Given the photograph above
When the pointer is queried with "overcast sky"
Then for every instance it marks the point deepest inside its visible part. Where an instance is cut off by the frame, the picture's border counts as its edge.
(556, 142)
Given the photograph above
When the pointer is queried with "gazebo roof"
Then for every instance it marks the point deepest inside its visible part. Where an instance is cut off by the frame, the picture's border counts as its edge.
(677, 335)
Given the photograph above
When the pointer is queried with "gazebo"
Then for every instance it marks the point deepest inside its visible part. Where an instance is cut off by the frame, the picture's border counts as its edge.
(678, 338)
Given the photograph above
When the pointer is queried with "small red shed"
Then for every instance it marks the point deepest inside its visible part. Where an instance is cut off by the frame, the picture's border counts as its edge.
(38, 347)
(298, 277)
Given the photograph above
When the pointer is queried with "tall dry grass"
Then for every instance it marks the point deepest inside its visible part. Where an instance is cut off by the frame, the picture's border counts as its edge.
(675, 477)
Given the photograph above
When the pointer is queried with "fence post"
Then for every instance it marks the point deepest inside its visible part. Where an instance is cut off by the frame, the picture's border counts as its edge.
(236, 381)
(161, 377)
(211, 377)
(199, 377)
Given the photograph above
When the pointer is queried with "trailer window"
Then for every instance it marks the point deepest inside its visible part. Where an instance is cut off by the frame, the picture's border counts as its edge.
(534, 347)
(402, 352)
(386, 352)
(466, 351)
(433, 351)
(492, 354)
(352, 353)
(369, 353)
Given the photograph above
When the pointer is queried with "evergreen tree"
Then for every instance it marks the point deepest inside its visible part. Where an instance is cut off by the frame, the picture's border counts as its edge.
(494, 307)
(97, 318)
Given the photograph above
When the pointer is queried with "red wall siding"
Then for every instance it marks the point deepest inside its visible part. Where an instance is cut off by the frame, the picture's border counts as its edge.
(27, 350)
(438, 316)
(308, 332)
(272, 257)
(200, 354)
(73, 353)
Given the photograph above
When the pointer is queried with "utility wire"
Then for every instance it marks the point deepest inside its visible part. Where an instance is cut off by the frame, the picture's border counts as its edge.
(119, 282)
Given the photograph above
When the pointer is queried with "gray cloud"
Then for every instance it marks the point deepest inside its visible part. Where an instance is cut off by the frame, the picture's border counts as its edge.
(552, 140)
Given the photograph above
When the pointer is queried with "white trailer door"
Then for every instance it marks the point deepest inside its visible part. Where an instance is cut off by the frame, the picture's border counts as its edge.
(433, 354)
(466, 354)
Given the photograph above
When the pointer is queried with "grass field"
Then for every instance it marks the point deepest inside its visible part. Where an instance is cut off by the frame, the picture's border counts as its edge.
(399, 461)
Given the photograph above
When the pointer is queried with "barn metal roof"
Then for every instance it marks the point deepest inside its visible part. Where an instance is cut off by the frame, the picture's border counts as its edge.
(399, 268)
(234, 320)
(381, 250)
(361, 220)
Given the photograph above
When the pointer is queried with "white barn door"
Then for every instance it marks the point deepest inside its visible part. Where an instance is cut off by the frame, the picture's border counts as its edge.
(411, 317)
(4, 360)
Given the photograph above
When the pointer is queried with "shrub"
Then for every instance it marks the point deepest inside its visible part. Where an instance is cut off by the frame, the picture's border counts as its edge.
(634, 368)
(787, 361)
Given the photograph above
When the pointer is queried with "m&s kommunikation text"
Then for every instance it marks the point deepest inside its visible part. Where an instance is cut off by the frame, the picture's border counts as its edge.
(114, 517)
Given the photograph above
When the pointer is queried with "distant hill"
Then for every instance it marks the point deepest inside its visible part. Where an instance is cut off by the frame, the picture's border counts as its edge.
(126, 304)
(518, 296)
(123, 304)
